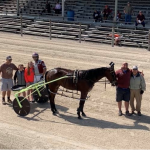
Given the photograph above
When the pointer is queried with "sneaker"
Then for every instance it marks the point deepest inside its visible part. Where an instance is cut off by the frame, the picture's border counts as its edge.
(133, 112)
(128, 114)
(3, 102)
(120, 113)
(9, 101)
(139, 113)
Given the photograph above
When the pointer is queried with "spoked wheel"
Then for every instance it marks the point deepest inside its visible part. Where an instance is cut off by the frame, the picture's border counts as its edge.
(44, 96)
(25, 106)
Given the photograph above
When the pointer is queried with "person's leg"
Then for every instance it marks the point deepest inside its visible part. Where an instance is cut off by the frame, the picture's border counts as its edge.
(119, 99)
(132, 95)
(126, 18)
(126, 97)
(143, 23)
(138, 97)
(24, 94)
(136, 23)
(129, 18)
(10, 85)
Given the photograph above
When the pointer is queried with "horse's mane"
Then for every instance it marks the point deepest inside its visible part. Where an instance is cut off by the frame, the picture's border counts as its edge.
(93, 74)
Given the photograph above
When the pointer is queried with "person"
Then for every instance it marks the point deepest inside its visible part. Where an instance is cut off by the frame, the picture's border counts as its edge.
(97, 16)
(57, 8)
(19, 78)
(118, 15)
(29, 78)
(128, 10)
(6, 71)
(122, 90)
(106, 12)
(39, 68)
(47, 8)
(137, 88)
(140, 19)
(117, 38)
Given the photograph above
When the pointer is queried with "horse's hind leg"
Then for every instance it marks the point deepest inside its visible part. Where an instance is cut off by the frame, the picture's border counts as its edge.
(81, 105)
(52, 100)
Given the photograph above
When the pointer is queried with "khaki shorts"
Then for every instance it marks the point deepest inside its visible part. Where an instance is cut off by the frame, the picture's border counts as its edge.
(7, 84)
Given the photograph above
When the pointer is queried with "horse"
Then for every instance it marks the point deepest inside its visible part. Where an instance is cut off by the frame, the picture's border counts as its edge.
(85, 81)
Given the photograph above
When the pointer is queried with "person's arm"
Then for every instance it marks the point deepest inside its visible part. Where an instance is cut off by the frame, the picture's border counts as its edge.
(143, 18)
(44, 68)
(25, 76)
(143, 84)
(15, 77)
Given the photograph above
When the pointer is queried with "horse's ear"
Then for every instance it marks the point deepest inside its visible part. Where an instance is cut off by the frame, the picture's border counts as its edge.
(111, 64)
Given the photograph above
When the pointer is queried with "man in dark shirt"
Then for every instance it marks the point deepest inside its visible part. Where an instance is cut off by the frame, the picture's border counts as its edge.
(6, 71)
(106, 12)
(122, 91)
(140, 19)
(47, 8)
(97, 16)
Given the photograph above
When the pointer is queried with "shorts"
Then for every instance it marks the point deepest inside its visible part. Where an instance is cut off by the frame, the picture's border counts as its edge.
(122, 94)
(7, 84)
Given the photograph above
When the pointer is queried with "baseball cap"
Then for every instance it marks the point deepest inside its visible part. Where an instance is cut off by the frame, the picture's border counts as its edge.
(135, 68)
(35, 55)
(8, 58)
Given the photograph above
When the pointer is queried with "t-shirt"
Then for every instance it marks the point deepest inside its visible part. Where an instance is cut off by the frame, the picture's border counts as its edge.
(7, 70)
(128, 10)
(140, 17)
(58, 6)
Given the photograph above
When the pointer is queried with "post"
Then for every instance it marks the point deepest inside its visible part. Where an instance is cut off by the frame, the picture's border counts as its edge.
(21, 25)
(50, 30)
(17, 7)
(149, 40)
(79, 32)
(114, 22)
(63, 7)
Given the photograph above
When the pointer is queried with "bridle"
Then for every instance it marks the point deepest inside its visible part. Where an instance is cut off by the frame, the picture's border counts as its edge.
(112, 72)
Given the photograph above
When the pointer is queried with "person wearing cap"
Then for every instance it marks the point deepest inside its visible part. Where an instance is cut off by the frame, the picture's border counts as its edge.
(39, 68)
(137, 88)
(106, 12)
(122, 90)
(128, 10)
(140, 19)
(6, 71)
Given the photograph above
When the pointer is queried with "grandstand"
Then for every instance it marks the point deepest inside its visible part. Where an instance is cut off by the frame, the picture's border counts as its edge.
(35, 24)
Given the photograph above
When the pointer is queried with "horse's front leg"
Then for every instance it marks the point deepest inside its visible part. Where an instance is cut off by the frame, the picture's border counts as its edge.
(81, 105)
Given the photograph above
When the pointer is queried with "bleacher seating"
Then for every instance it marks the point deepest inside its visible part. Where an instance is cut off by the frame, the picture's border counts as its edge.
(94, 32)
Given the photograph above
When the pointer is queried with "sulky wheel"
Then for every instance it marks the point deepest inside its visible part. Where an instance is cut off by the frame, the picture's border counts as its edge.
(44, 96)
(25, 106)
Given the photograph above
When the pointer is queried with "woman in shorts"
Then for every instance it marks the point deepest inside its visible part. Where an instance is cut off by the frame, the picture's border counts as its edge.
(29, 78)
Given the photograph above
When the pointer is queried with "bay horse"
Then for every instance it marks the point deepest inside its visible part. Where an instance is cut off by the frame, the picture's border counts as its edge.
(85, 82)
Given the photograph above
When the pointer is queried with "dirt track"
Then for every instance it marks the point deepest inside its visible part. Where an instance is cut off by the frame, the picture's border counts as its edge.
(102, 128)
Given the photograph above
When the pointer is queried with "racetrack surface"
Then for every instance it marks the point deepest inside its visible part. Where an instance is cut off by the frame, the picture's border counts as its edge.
(102, 128)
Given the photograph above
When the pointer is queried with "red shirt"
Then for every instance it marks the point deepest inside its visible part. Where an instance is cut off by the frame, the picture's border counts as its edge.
(29, 78)
(123, 78)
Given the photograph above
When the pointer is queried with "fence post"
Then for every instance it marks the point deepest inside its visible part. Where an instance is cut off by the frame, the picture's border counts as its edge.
(79, 32)
(149, 40)
(50, 30)
(21, 25)
(113, 31)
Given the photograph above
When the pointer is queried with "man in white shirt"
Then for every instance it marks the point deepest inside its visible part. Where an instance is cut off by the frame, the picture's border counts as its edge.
(57, 8)
(39, 68)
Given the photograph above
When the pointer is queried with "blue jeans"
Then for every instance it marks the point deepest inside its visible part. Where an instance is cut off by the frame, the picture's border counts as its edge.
(142, 23)
(127, 18)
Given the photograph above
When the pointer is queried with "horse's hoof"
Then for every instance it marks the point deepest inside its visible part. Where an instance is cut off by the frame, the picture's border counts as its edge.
(79, 117)
(54, 113)
(83, 114)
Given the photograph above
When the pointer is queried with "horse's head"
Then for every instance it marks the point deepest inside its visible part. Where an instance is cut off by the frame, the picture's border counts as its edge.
(110, 74)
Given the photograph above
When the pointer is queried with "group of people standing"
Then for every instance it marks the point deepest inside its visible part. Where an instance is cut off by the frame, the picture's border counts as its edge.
(24, 76)
(131, 85)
